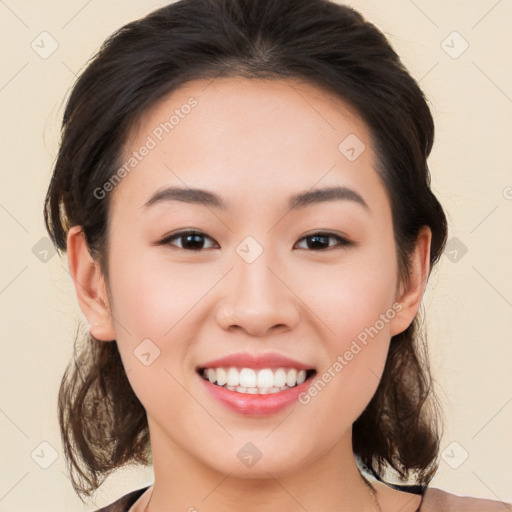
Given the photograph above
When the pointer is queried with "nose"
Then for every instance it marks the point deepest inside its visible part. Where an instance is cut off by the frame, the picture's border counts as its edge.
(258, 299)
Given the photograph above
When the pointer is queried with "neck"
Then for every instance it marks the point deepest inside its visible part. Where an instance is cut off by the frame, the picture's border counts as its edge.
(332, 483)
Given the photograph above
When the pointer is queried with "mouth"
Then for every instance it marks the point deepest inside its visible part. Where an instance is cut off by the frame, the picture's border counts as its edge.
(251, 381)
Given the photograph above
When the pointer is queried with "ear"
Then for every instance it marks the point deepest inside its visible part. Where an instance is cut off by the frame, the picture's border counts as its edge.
(90, 286)
(410, 293)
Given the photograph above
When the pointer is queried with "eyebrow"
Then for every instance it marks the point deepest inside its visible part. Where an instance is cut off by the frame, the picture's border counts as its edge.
(295, 202)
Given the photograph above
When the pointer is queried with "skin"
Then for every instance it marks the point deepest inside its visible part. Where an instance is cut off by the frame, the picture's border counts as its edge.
(255, 143)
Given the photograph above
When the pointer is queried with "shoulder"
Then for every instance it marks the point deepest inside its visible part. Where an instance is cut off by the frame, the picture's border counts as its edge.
(420, 499)
(437, 500)
(124, 503)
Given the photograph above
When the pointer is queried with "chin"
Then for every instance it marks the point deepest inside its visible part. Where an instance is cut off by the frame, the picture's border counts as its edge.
(255, 460)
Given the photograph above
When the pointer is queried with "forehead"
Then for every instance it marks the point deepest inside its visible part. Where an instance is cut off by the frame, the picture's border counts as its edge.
(264, 136)
(246, 104)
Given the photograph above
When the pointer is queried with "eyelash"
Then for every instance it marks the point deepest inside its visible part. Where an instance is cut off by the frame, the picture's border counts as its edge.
(342, 242)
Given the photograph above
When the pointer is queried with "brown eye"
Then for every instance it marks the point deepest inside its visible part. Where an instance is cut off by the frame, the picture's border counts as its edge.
(190, 240)
(321, 241)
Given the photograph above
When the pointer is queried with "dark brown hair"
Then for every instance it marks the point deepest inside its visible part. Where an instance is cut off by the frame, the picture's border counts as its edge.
(103, 424)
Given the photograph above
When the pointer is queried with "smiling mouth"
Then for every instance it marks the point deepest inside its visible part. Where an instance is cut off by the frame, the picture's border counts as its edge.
(255, 381)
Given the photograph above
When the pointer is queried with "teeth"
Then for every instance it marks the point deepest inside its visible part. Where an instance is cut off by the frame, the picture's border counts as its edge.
(212, 375)
(222, 376)
(248, 380)
(280, 378)
(233, 379)
(291, 377)
(265, 378)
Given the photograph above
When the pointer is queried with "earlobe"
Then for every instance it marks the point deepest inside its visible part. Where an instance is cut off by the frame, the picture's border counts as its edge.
(411, 293)
(90, 286)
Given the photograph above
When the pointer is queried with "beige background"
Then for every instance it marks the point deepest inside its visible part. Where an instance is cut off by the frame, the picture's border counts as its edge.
(469, 299)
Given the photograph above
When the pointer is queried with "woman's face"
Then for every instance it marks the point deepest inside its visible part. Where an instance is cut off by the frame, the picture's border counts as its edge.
(254, 280)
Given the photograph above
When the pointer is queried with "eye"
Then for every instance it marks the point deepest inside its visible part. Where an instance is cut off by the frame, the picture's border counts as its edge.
(190, 240)
(195, 241)
(320, 241)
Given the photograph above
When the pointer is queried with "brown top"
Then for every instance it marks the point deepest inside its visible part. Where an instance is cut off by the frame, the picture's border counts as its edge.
(436, 500)
(433, 500)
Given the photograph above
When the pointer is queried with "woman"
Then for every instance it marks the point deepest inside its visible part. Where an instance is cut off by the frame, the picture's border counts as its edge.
(243, 195)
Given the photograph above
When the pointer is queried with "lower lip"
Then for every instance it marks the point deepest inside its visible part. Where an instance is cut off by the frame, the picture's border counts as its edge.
(255, 405)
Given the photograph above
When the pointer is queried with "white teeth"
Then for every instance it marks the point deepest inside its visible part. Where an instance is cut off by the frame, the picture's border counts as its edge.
(222, 376)
(265, 378)
(248, 380)
(280, 378)
(255, 391)
(233, 378)
(212, 375)
(291, 377)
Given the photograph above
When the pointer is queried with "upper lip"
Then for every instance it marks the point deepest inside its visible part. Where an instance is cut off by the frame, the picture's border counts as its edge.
(247, 360)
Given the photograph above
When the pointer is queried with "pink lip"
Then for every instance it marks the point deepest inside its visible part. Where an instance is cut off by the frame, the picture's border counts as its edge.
(259, 361)
(255, 405)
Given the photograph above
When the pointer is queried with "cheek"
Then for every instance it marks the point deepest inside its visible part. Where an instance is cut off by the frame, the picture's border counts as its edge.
(152, 311)
(352, 297)
(355, 305)
(153, 295)
(358, 341)
(155, 310)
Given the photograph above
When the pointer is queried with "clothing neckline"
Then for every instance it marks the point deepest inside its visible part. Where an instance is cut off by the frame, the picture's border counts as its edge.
(124, 503)
(413, 489)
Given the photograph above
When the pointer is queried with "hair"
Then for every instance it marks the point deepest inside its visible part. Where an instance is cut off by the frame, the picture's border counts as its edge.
(103, 424)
